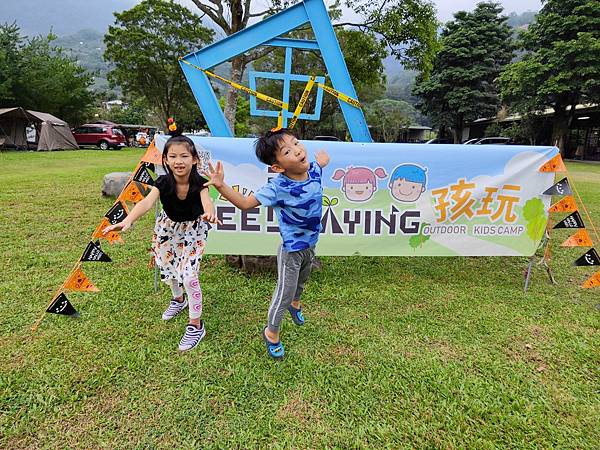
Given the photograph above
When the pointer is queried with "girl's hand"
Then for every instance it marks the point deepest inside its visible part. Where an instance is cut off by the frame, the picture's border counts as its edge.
(123, 226)
(322, 158)
(215, 176)
(211, 217)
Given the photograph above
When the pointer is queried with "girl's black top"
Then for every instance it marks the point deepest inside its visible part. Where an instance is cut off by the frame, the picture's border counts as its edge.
(180, 210)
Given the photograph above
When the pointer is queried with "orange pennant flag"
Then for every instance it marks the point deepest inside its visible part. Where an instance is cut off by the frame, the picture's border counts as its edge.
(78, 281)
(593, 281)
(111, 236)
(152, 155)
(556, 164)
(567, 204)
(131, 193)
(579, 239)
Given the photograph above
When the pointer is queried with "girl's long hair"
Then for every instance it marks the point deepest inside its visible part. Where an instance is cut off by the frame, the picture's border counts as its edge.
(195, 179)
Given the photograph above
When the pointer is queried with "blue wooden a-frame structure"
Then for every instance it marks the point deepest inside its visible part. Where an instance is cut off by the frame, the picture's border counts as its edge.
(268, 32)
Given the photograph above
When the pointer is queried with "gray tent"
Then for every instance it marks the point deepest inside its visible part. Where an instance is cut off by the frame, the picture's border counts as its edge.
(50, 132)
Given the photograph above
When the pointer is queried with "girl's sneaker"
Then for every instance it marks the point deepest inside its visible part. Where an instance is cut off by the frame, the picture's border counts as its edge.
(192, 336)
(297, 315)
(175, 308)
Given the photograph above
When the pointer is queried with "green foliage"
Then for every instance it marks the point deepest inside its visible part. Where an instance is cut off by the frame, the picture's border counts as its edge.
(407, 27)
(144, 45)
(562, 65)
(388, 117)
(475, 47)
(37, 75)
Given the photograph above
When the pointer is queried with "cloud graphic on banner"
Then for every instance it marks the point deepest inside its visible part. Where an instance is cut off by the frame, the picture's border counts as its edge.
(245, 175)
(521, 163)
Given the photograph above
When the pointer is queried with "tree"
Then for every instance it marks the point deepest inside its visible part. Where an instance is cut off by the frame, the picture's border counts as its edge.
(388, 117)
(475, 48)
(407, 27)
(36, 75)
(145, 44)
(561, 68)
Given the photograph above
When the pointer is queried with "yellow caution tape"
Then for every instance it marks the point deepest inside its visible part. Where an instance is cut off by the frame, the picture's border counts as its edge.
(280, 120)
(264, 97)
(339, 95)
(303, 100)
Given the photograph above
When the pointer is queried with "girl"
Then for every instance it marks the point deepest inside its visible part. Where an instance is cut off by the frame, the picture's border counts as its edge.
(180, 232)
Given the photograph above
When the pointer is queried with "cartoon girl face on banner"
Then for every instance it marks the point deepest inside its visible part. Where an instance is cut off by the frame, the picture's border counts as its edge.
(408, 182)
(359, 183)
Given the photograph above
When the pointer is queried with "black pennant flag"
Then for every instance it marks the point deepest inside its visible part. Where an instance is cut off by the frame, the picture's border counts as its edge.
(143, 176)
(93, 253)
(572, 221)
(62, 305)
(560, 188)
(591, 258)
(116, 214)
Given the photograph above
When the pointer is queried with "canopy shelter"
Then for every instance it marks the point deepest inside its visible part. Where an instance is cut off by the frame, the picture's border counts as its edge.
(51, 133)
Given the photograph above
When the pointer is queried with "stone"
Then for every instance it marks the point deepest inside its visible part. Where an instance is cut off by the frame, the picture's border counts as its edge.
(114, 182)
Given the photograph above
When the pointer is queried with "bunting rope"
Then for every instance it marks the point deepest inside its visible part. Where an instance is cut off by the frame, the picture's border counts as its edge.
(76, 280)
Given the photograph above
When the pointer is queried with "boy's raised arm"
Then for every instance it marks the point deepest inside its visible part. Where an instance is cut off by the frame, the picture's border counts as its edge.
(322, 158)
(216, 176)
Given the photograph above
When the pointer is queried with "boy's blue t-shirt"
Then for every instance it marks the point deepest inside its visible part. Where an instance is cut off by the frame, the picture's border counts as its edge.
(298, 205)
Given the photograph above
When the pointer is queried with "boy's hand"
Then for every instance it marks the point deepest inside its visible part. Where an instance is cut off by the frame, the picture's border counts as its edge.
(215, 176)
(211, 217)
(123, 226)
(322, 158)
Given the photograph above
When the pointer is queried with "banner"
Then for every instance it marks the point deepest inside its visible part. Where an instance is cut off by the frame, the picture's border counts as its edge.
(397, 199)
(117, 212)
(142, 175)
(560, 188)
(131, 193)
(572, 221)
(579, 239)
(78, 281)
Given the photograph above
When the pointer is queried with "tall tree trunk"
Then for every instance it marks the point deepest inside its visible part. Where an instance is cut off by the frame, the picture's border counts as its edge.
(560, 129)
(237, 71)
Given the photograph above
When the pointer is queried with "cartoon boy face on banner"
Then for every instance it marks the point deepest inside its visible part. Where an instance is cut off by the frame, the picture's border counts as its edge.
(408, 182)
(359, 183)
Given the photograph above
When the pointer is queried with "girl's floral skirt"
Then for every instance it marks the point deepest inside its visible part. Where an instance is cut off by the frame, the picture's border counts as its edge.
(178, 247)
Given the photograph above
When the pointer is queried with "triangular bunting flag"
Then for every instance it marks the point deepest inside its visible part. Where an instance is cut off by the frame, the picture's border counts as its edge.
(62, 305)
(579, 239)
(593, 281)
(117, 213)
(566, 204)
(143, 175)
(131, 194)
(93, 253)
(560, 188)
(152, 155)
(572, 221)
(78, 281)
(111, 236)
(556, 164)
(591, 258)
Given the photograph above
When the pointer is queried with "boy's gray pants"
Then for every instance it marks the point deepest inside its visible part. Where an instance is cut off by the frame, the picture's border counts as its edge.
(293, 269)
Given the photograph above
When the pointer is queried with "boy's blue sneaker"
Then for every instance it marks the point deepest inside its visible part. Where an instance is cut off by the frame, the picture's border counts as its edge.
(275, 350)
(297, 315)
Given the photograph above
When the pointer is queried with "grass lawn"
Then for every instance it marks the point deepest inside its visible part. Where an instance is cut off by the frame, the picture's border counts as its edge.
(396, 352)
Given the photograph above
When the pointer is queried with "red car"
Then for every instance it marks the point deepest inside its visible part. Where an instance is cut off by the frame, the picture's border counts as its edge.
(103, 136)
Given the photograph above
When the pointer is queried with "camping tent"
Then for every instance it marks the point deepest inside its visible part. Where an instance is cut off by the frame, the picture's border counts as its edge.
(50, 132)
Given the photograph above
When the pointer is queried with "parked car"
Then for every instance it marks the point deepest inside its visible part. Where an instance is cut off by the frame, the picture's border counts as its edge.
(327, 138)
(496, 140)
(103, 136)
(440, 141)
(470, 141)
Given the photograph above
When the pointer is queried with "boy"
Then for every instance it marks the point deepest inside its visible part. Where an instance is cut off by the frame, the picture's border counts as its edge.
(296, 196)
